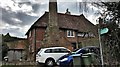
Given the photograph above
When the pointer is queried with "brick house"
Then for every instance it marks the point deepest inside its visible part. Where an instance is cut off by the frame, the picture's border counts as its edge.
(17, 50)
(73, 29)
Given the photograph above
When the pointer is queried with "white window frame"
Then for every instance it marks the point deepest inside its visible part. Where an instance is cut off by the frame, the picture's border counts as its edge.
(70, 32)
(91, 35)
(80, 34)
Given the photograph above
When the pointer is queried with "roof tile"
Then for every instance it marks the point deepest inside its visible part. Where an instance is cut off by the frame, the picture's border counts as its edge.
(66, 21)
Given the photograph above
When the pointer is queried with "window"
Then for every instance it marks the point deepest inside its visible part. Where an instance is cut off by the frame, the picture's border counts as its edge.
(70, 33)
(81, 34)
(48, 51)
(57, 51)
(85, 34)
(61, 51)
(91, 35)
(64, 51)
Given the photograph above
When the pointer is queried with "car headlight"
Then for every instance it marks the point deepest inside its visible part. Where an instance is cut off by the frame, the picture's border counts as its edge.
(65, 59)
(58, 63)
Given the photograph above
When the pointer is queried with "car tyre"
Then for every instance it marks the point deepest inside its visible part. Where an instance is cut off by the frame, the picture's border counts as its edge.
(50, 63)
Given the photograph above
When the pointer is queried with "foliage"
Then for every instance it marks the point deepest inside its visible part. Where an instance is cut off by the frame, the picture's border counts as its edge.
(8, 38)
(4, 50)
(111, 40)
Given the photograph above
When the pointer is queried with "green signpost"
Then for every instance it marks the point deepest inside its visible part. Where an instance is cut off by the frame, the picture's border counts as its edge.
(104, 30)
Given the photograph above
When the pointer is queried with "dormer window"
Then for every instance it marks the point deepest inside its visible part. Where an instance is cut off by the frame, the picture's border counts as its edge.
(70, 33)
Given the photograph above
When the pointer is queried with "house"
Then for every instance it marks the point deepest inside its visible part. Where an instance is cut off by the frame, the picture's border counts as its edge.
(17, 47)
(73, 29)
(17, 50)
(60, 29)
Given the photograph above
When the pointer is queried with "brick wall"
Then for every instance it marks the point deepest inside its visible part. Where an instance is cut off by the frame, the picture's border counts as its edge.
(65, 41)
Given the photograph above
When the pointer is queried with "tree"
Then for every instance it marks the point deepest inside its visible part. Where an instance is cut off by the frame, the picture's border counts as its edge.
(4, 50)
(111, 40)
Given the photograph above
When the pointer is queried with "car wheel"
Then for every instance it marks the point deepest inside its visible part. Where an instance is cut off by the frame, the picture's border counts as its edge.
(50, 63)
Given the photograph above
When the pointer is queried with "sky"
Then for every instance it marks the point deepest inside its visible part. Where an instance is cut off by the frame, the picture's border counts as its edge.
(16, 16)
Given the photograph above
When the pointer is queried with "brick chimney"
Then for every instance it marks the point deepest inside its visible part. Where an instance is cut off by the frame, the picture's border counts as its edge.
(53, 13)
(52, 32)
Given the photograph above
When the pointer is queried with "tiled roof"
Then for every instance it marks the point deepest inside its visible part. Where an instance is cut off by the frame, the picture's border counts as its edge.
(17, 44)
(75, 22)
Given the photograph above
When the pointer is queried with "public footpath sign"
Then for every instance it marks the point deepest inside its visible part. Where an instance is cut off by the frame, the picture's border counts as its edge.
(104, 30)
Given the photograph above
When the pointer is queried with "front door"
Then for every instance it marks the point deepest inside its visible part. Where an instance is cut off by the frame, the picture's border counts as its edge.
(74, 46)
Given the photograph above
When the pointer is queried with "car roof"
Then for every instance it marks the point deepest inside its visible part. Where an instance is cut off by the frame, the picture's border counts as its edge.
(87, 47)
(91, 47)
(53, 48)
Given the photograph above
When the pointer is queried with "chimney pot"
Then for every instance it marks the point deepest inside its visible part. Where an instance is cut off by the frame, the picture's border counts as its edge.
(68, 12)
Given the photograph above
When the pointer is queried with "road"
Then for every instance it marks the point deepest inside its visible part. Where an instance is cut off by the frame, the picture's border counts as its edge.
(42, 65)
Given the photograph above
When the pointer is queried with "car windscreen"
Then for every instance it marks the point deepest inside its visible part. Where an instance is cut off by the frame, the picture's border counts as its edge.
(86, 50)
(66, 55)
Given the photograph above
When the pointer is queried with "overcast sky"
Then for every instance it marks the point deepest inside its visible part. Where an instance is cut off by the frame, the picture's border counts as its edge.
(18, 15)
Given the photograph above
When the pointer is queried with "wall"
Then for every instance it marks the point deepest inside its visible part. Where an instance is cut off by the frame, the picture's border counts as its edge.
(66, 41)
(39, 37)
(15, 55)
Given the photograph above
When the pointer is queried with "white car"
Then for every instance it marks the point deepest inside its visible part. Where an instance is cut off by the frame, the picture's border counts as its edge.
(50, 55)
